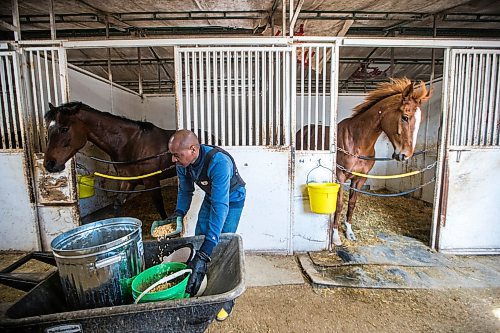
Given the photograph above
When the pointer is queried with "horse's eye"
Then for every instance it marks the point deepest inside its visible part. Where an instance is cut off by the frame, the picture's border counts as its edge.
(405, 118)
(64, 129)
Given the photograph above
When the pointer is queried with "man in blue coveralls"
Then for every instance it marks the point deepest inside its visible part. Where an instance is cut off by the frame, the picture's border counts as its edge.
(215, 172)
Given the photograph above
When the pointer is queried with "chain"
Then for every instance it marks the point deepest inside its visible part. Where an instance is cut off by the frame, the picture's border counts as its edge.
(429, 167)
(392, 194)
(124, 162)
(369, 158)
(346, 152)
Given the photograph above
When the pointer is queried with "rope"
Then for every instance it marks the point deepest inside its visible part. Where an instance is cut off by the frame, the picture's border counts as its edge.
(402, 175)
(98, 174)
(391, 194)
(120, 191)
(411, 173)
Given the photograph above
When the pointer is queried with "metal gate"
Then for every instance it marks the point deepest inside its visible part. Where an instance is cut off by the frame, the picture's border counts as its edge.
(19, 224)
(11, 119)
(45, 73)
(246, 99)
(315, 106)
(470, 210)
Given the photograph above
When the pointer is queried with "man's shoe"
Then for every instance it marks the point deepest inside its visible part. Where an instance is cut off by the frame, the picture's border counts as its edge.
(222, 315)
(225, 311)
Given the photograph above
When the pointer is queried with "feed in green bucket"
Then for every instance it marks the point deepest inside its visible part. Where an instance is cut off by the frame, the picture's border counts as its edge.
(173, 289)
(323, 197)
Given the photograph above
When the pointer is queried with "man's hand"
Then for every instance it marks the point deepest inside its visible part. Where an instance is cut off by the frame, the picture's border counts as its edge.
(175, 219)
(199, 266)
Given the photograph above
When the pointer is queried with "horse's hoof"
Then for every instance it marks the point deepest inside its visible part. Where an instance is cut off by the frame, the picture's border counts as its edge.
(349, 234)
(336, 238)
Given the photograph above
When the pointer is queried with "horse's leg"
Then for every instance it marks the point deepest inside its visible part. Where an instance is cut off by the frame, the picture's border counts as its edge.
(121, 197)
(356, 183)
(340, 203)
(156, 196)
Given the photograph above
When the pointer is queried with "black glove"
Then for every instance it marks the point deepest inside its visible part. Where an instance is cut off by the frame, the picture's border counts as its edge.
(199, 266)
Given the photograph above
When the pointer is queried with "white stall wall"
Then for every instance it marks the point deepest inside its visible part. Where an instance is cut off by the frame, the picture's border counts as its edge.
(310, 230)
(160, 110)
(18, 224)
(265, 224)
(473, 210)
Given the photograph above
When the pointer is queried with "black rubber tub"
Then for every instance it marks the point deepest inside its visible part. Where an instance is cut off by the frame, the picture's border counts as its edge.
(44, 308)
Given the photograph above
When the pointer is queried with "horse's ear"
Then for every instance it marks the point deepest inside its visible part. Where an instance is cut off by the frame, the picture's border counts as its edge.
(408, 92)
(52, 107)
(75, 108)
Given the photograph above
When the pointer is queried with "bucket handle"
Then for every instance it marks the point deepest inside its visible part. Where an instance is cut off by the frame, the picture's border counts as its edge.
(321, 166)
(108, 261)
(82, 167)
(164, 279)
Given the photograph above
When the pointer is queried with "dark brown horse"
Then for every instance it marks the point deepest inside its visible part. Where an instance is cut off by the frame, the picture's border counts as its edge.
(393, 108)
(71, 125)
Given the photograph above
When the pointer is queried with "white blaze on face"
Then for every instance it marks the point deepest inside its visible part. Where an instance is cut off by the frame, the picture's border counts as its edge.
(52, 123)
(418, 118)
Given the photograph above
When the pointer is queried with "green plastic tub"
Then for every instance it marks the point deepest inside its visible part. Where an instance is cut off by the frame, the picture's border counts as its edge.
(155, 273)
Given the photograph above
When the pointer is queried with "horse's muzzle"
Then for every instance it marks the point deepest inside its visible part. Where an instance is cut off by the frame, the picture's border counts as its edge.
(51, 166)
(399, 157)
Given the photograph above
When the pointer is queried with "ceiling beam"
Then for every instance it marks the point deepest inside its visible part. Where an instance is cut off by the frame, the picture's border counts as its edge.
(346, 60)
(122, 19)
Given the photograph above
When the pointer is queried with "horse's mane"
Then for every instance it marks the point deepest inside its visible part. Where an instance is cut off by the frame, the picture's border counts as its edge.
(69, 108)
(388, 89)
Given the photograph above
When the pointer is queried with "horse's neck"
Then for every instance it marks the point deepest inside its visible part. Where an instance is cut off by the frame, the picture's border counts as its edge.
(364, 129)
(107, 134)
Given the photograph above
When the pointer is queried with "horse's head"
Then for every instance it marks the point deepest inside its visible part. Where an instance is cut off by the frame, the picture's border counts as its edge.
(66, 135)
(401, 123)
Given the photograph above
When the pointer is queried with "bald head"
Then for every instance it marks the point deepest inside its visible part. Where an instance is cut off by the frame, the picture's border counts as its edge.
(184, 147)
(183, 139)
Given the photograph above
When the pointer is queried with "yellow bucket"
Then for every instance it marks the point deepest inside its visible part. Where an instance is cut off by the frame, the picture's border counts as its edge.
(85, 186)
(323, 197)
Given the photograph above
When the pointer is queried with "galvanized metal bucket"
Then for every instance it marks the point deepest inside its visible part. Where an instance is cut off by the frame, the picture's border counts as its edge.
(98, 261)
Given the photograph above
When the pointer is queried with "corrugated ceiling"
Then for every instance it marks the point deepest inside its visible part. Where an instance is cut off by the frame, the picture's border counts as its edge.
(360, 67)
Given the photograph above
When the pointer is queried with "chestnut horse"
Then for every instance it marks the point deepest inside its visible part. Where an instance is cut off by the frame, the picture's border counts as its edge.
(393, 108)
(71, 125)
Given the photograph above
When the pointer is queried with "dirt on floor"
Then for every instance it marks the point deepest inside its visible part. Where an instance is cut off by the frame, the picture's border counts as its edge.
(301, 308)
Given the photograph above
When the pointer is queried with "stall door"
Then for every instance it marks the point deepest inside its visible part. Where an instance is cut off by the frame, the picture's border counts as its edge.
(314, 104)
(18, 224)
(471, 222)
(239, 98)
(45, 74)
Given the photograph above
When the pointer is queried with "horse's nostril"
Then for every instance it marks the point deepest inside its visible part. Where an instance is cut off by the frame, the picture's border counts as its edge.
(49, 165)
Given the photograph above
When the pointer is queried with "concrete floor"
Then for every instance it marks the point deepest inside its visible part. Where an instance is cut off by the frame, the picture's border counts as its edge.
(269, 270)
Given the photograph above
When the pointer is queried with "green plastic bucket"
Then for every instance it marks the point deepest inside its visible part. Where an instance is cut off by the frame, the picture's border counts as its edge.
(155, 273)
